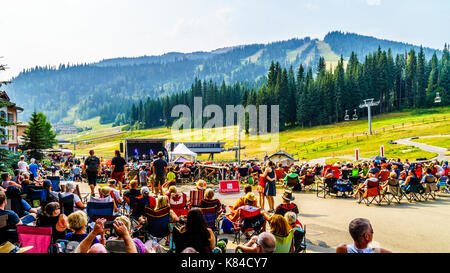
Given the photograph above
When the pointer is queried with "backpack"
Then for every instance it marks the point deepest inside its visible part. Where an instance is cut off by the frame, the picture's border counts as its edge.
(92, 164)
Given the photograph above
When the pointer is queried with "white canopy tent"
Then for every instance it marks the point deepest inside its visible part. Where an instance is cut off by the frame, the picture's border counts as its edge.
(182, 150)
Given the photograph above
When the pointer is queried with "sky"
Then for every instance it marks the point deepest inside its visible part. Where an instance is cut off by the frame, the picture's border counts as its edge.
(51, 32)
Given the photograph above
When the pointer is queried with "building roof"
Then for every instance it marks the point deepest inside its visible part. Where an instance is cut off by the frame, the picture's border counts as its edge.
(282, 153)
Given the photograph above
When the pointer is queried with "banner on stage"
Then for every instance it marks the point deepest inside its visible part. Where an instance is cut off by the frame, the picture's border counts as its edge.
(229, 186)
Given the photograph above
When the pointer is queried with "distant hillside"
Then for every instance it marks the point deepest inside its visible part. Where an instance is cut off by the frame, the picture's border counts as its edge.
(56, 90)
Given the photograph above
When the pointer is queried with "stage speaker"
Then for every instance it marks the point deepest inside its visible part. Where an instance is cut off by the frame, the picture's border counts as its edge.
(121, 147)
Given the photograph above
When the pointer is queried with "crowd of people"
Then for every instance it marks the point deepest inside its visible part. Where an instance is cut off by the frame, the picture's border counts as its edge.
(138, 192)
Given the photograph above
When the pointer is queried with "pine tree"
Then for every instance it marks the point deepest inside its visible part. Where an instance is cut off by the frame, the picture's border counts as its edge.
(34, 138)
(421, 80)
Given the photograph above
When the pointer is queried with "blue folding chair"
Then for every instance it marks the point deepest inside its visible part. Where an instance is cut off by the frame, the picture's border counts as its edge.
(442, 184)
(37, 197)
(158, 222)
(137, 206)
(55, 182)
(99, 209)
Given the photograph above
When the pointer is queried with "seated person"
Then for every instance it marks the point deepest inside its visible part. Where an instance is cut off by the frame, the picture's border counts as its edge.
(372, 181)
(287, 204)
(299, 232)
(281, 230)
(241, 201)
(13, 220)
(134, 191)
(209, 201)
(141, 248)
(6, 178)
(429, 181)
(51, 195)
(263, 243)
(391, 185)
(70, 188)
(362, 233)
(197, 195)
(78, 221)
(194, 234)
(145, 192)
(26, 212)
(114, 192)
(89, 244)
(177, 200)
(293, 176)
(249, 210)
(105, 197)
(51, 216)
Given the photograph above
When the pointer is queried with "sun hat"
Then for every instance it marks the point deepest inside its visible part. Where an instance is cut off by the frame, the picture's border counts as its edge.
(287, 195)
(7, 247)
(250, 197)
(201, 184)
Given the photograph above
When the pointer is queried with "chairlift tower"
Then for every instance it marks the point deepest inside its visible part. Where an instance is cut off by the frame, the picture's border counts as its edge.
(367, 104)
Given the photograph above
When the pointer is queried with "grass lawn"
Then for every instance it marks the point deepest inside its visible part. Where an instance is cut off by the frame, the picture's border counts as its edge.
(305, 143)
(443, 142)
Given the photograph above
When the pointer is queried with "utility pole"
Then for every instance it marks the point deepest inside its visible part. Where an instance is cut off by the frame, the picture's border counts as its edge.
(367, 104)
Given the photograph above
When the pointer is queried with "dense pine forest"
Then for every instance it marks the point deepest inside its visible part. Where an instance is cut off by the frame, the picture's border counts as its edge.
(108, 88)
(307, 98)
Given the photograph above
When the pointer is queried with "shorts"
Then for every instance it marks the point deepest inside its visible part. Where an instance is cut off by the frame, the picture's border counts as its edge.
(159, 181)
(270, 189)
(118, 176)
(260, 189)
(92, 178)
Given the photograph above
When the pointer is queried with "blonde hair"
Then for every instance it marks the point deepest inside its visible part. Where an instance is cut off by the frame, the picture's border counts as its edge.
(133, 183)
(279, 226)
(77, 220)
(209, 194)
(125, 221)
(172, 189)
(162, 202)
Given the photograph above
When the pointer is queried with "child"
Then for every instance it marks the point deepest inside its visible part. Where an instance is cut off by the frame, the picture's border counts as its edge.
(260, 188)
(171, 179)
(143, 176)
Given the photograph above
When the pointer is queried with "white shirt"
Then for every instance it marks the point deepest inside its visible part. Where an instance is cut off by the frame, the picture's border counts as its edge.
(23, 166)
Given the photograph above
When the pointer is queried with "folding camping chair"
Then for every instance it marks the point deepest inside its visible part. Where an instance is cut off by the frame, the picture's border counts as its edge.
(294, 183)
(137, 206)
(158, 225)
(196, 197)
(372, 193)
(250, 223)
(430, 188)
(37, 197)
(443, 184)
(393, 192)
(414, 190)
(212, 219)
(66, 204)
(38, 237)
(65, 246)
(7, 234)
(327, 187)
(55, 180)
(99, 209)
(116, 246)
(308, 183)
(185, 177)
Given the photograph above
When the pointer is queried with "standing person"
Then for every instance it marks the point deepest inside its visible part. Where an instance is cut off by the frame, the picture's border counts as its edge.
(33, 167)
(92, 168)
(159, 169)
(261, 186)
(22, 164)
(142, 176)
(270, 187)
(118, 169)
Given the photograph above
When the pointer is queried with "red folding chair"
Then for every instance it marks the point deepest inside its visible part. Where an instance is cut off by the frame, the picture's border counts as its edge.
(38, 237)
